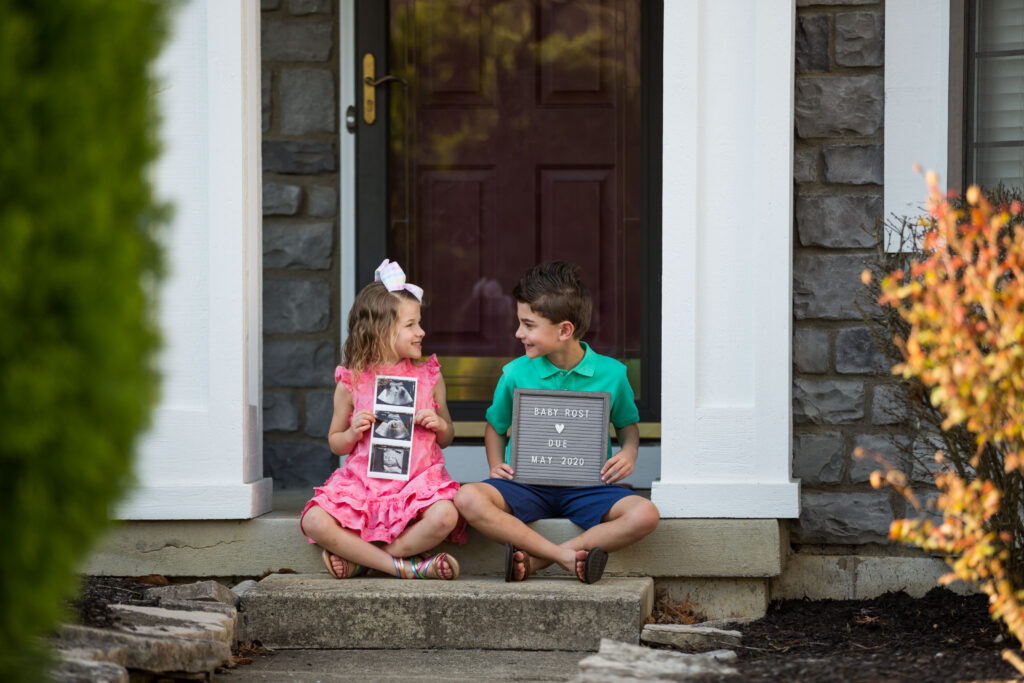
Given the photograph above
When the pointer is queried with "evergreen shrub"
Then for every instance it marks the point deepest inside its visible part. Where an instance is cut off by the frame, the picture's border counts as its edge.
(78, 262)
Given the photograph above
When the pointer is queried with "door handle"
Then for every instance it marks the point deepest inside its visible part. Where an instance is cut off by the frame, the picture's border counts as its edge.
(370, 85)
(385, 79)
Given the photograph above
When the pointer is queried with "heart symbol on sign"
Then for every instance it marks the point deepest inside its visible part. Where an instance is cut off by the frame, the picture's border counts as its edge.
(559, 428)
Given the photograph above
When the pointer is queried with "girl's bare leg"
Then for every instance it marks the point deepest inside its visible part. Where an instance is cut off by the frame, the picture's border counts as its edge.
(433, 526)
(328, 534)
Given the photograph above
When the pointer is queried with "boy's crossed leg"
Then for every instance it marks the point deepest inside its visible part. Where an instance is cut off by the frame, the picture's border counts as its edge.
(627, 521)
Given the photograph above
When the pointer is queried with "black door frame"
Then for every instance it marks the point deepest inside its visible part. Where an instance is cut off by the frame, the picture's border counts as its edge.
(371, 184)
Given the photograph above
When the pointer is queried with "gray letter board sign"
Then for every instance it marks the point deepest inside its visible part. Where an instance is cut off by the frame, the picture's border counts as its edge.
(559, 438)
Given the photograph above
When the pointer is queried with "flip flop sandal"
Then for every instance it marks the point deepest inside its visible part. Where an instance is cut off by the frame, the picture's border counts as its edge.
(351, 568)
(593, 566)
(510, 564)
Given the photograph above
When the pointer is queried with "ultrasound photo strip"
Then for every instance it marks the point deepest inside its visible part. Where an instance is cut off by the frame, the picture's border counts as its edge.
(394, 407)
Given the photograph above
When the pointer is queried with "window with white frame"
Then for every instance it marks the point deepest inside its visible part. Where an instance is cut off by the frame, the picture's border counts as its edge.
(993, 146)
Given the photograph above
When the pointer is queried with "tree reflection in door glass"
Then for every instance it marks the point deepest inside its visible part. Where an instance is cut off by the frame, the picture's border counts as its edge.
(517, 140)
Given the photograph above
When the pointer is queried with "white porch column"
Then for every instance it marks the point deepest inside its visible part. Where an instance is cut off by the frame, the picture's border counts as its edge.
(202, 458)
(727, 217)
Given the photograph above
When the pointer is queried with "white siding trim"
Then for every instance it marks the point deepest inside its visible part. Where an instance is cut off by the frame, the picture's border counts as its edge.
(726, 254)
(207, 431)
(916, 102)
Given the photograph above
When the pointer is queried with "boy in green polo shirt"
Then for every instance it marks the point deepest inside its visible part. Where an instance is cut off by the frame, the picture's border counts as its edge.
(553, 306)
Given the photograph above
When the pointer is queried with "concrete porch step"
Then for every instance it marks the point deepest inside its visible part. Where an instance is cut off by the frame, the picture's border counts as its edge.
(290, 611)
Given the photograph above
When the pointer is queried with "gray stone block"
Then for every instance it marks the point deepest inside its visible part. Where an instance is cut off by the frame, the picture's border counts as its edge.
(298, 364)
(303, 7)
(298, 464)
(853, 164)
(295, 41)
(617, 661)
(924, 466)
(860, 39)
(289, 611)
(307, 101)
(159, 622)
(266, 98)
(299, 157)
(805, 165)
(827, 402)
(212, 591)
(838, 106)
(858, 353)
(818, 458)
(319, 411)
(810, 350)
(881, 452)
(828, 287)
(837, 221)
(307, 246)
(889, 405)
(812, 43)
(161, 655)
(690, 637)
(846, 518)
(70, 669)
(322, 202)
(295, 306)
(280, 199)
(280, 412)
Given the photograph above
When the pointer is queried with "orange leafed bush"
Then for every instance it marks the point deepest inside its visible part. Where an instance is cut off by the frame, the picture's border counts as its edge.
(963, 301)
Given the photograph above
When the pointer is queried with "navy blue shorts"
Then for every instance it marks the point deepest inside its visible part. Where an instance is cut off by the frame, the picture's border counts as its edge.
(582, 505)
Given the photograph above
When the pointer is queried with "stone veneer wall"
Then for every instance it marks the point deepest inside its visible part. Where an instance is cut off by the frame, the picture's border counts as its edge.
(843, 394)
(300, 226)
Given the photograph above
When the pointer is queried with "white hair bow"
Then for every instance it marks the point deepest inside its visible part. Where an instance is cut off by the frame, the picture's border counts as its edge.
(393, 277)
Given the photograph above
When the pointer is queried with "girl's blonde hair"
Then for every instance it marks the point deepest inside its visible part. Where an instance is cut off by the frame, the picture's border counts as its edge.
(371, 327)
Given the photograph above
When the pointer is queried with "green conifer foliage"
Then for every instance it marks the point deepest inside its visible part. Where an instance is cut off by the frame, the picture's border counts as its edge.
(78, 264)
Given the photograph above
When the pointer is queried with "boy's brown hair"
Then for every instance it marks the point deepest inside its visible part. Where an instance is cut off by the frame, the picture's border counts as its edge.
(556, 291)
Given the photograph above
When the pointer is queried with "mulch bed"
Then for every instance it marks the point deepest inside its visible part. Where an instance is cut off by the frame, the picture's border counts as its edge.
(99, 592)
(941, 638)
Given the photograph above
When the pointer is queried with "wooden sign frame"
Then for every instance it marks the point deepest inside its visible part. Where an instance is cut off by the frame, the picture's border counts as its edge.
(559, 438)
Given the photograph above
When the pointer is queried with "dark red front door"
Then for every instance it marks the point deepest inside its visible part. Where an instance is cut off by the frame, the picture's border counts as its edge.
(517, 140)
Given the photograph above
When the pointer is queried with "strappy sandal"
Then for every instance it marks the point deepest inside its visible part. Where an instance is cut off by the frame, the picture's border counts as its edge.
(429, 567)
(351, 568)
(510, 563)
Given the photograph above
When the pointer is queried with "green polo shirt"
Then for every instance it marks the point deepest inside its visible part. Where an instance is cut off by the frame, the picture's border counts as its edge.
(593, 373)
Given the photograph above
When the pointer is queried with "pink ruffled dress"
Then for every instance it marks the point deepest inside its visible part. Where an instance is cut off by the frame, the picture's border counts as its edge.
(381, 509)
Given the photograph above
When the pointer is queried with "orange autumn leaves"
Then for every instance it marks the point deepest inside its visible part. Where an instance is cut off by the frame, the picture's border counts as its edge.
(963, 299)
(964, 302)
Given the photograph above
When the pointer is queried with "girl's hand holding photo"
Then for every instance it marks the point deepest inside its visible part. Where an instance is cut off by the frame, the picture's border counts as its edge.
(436, 423)
(361, 421)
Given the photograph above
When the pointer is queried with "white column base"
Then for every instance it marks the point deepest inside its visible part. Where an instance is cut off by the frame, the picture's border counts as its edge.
(198, 501)
(735, 500)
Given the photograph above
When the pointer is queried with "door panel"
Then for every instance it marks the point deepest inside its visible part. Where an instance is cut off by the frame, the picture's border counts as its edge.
(518, 138)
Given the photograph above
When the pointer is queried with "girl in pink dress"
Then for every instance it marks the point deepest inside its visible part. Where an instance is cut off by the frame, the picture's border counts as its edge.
(364, 521)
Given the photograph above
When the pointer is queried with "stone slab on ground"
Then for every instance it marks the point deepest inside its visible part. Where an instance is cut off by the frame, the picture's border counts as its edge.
(690, 638)
(163, 654)
(211, 591)
(370, 666)
(159, 622)
(617, 661)
(317, 611)
(72, 670)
